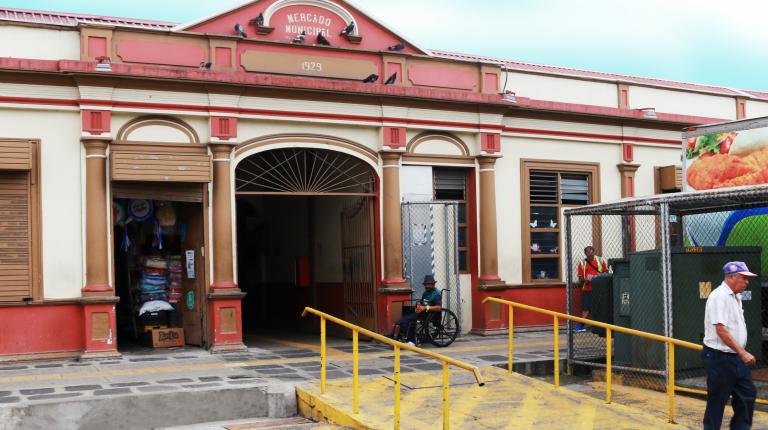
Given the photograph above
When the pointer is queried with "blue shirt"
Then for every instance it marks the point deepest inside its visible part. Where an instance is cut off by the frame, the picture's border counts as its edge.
(432, 298)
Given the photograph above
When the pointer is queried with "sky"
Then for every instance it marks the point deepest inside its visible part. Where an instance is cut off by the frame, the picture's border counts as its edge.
(722, 43)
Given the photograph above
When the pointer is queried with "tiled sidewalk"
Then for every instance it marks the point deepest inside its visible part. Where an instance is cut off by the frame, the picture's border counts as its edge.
(272, 358)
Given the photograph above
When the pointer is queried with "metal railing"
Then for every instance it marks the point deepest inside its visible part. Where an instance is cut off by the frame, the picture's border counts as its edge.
(356, 331)
(609, 329)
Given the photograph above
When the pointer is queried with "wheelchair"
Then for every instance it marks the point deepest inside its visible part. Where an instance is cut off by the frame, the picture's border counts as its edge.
(438, 328)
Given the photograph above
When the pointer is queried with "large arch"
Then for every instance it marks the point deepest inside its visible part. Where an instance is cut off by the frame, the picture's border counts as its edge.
(332, 232)
(317, 141)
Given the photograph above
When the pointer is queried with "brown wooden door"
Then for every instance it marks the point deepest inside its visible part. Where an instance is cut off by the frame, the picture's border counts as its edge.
(193, 301)
(357, 258)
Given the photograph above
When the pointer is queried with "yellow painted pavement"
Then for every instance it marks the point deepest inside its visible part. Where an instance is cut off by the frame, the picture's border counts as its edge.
(505, 402)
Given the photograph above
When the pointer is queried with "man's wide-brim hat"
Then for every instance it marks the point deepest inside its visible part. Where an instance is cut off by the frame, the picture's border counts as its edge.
(429, 279)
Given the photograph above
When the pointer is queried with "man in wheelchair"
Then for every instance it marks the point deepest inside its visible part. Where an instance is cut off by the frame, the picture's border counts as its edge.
(430, 301)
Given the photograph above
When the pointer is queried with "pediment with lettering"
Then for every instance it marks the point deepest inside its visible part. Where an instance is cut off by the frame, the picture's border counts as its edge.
(286, 20)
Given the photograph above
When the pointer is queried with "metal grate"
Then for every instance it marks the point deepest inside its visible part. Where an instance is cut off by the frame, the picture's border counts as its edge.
(303, 171)
(665, 256)
(430, 247)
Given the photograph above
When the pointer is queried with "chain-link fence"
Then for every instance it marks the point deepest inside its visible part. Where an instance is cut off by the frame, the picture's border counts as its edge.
(430, 242)
(659, 277)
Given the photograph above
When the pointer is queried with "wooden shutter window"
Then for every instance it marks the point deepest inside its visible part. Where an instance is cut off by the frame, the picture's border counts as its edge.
(543, 188)
(159, 167)
(15, 155)
(670, 179)
(15, 237)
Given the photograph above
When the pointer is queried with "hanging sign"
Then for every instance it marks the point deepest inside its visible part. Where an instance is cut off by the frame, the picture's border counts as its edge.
(140, 209)
(189, 259)
(190, 300)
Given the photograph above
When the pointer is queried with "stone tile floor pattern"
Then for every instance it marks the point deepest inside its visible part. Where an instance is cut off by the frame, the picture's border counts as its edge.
(268, 360)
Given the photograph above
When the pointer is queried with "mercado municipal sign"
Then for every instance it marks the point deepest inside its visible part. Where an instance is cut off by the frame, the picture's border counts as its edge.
(311, 23)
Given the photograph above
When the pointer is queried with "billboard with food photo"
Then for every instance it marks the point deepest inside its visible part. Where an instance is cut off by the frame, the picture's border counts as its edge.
(727, 155)
(726, 159)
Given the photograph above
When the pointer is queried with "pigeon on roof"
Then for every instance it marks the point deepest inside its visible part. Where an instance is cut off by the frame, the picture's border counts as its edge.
(371, 78)
(398, 47)
(349, 29)
(321, 40)
(240, 30)
(258, 21)
(300, 38)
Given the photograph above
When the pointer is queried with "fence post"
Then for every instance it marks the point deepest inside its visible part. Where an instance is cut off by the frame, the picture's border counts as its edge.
(511, 338)
(671, 381)
(569, 289)
(666, 283)
(557, 351)
(397, 387)
(446, 396)
(355, 377)
(608, 362)
(322, 355)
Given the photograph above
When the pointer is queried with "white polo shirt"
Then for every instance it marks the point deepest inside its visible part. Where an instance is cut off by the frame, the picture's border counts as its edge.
(724, 307)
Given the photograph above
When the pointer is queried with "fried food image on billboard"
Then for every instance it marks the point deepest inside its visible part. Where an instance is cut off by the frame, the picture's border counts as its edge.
(718, 163)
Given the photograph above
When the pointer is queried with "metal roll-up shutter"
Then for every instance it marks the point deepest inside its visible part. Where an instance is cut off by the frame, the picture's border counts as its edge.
(175, 192)
(15, 237)
(160, 167)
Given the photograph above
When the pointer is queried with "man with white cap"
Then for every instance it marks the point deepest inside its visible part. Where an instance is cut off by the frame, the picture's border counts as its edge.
(724, 356)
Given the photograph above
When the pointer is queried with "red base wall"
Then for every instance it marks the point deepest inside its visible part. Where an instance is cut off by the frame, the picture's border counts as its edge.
(542, 297)
(41, 329)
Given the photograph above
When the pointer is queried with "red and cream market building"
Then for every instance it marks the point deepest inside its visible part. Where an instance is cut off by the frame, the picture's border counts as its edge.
(276, 177)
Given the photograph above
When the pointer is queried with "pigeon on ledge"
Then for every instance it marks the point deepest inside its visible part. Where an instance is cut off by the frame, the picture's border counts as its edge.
(391, 80)
(300, 38)
(371, 79)
(240, 30)
(349, 29)
(321, 40)
(398, 47)
(258, 21)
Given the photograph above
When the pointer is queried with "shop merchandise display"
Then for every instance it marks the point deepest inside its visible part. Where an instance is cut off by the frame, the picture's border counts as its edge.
(154, 280)
(150, 244)
(175, 285)
(155, 306)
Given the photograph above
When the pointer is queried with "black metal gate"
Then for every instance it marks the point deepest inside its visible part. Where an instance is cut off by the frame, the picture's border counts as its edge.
(357, 254)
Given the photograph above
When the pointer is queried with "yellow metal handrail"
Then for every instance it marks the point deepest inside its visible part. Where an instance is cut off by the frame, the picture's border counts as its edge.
(356, 330)
(609, 329)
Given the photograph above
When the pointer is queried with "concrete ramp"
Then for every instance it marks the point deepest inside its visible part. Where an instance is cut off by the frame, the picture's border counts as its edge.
(505, 402)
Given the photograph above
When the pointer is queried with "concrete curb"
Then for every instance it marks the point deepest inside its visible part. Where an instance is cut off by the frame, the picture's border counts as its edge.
(154, 410)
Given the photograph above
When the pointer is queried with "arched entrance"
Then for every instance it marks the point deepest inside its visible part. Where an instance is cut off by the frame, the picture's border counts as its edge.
(305, 236)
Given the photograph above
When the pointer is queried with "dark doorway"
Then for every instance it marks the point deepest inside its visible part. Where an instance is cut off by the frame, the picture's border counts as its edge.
(305, 238)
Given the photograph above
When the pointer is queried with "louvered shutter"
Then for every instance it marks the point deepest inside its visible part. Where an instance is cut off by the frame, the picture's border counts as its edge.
(15, 237)
(574, 189)
(450, 184)
(543, 188)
